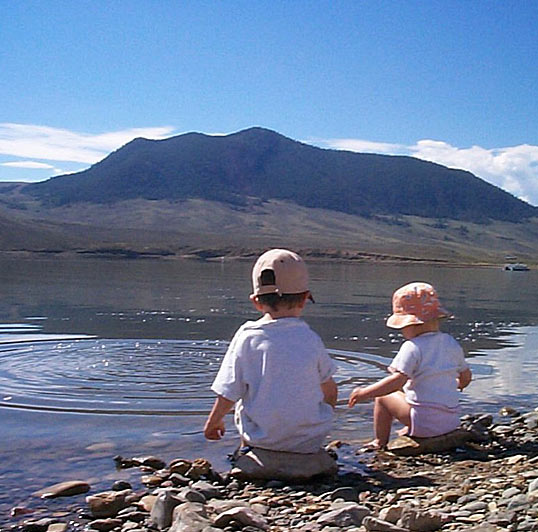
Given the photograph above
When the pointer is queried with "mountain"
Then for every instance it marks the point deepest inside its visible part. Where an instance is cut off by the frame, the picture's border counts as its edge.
(262, 164)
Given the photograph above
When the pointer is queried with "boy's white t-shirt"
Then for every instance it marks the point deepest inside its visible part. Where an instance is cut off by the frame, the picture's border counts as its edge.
(274, 369)
(432, 361)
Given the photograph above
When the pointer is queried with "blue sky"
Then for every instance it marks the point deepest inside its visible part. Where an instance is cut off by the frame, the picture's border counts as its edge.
(449, 81)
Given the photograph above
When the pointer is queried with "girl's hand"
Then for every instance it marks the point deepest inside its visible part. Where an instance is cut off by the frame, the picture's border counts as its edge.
(357, 395)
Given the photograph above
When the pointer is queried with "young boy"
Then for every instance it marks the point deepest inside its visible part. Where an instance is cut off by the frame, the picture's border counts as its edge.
(276, 370)
(430, 366)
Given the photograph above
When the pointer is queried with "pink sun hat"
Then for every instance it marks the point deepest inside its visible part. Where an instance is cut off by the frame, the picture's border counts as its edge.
(414, 304)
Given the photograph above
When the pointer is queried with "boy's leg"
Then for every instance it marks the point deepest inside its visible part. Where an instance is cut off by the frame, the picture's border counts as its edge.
(386, 409)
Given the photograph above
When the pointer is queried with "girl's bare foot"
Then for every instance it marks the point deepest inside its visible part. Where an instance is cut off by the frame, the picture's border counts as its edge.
(372, 446)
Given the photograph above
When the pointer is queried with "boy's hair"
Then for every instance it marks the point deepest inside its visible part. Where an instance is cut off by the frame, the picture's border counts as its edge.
(277, 301)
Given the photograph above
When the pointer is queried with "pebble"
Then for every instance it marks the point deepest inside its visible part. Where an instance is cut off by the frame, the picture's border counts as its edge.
(487, 485)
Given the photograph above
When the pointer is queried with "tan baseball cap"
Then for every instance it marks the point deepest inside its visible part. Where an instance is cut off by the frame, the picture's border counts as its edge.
(279, 271)
(414, 304)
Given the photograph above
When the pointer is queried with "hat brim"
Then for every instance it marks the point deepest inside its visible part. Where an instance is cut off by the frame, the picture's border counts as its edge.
(399, 321)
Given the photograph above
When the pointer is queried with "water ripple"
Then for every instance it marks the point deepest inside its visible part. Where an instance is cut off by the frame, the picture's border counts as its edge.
(149, 377)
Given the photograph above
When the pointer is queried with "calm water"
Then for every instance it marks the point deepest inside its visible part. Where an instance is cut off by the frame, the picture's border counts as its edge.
(99, 357)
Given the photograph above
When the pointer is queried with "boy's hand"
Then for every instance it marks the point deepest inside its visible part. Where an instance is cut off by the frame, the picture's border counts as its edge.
(214, 426)
(357, 395)
(214, 431)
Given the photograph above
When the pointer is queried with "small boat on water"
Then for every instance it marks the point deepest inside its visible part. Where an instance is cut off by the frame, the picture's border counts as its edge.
(516, 267)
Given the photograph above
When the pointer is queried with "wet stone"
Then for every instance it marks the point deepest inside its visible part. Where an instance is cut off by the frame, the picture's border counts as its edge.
(107, 503)
(149, 461)
(64, 489)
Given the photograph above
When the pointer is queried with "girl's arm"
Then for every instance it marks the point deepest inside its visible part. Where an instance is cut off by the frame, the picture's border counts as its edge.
(214, 426)
(330, 392)
(464, 378)
(389, 384)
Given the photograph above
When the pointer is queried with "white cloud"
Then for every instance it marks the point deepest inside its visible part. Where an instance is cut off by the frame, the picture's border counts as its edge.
(29, 164)
(363, 146)
(52, 144)
(514, 169)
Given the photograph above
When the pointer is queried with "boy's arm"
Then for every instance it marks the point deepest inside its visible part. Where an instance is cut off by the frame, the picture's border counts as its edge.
(464, 378)
(214, 426)
(389, 384)
(330, 392)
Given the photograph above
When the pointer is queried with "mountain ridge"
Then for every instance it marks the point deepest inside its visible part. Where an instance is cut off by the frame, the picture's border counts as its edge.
(260, 163)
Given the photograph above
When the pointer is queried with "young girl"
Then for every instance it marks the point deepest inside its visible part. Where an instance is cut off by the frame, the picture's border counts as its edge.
(430, 366)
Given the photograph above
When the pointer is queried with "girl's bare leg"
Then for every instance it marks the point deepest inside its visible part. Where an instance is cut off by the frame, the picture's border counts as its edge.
(386, 409)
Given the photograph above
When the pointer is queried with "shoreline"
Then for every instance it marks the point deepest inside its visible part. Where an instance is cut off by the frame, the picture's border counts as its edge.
(490, 484)
(231, 255)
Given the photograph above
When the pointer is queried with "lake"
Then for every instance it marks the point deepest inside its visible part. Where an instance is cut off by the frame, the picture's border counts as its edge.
(107, 357)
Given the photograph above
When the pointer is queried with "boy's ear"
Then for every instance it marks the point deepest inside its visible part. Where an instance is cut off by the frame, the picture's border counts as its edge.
(255, 302)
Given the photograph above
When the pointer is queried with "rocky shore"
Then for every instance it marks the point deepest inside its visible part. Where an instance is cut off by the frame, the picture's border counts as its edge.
(488, 484)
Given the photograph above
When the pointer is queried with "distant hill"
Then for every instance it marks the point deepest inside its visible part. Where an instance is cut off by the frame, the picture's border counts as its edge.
(17, 234)
(261, 164)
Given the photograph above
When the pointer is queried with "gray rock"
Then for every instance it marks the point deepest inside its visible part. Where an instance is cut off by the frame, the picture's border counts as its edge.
(219, 506)
(179, 480)
(413, 446)
(58, 527)
(503, 430)
(348, 514)
(502, 518)
(208, 490)
(244, 516)
(132, 514)
(485, 527)
(275, 465)
(373, 524)
(199, 468)
(531, 420)
(190, 517)
(392, 513)
(519, 502)
(191, 495)
(533, 485)
(149, 461)
(39, 525)
(64, 489)
(180, 466)
(346, 493)
(485, 420)
(163, 508)
(464, 499)
(105, 525)
(475, 506)
(527, 524)
(420, 521)
(121, 485)
(108, 503)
